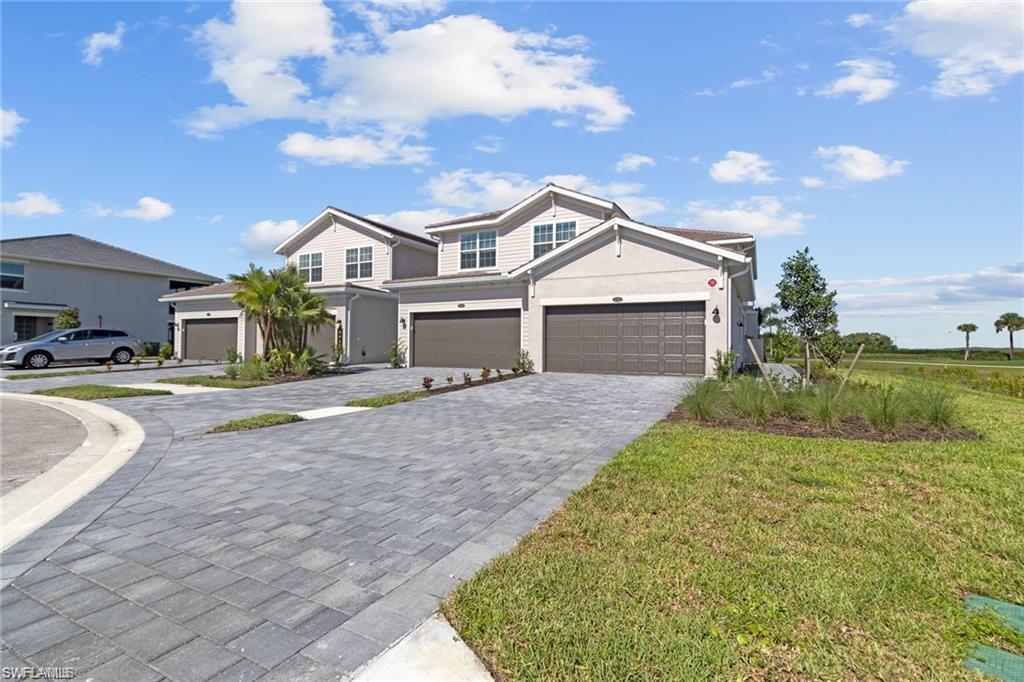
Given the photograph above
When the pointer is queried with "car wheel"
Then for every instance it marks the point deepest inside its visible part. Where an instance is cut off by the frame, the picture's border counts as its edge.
(122, 356)
(37, 360)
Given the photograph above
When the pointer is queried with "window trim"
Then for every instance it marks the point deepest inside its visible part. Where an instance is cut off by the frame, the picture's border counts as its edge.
(477, 251)
(310, 267)
(24, 274)
(358, 263)
(554, 235)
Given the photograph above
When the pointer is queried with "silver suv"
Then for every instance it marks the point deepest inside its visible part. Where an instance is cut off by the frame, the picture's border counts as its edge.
(98, 345)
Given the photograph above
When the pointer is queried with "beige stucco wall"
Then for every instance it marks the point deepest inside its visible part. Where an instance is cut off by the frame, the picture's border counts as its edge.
(332, 241)
(515, 236)
(412, 261)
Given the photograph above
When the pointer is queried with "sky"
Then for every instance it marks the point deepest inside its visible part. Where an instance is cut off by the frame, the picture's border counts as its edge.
(885, 137)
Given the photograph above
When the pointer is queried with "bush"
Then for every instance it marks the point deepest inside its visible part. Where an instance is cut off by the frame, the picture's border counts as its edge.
(137, 360)
(254, 369)
(150, 348)
(449, 380)
(67, 318)
(427, 382)
(160, 361)
(231, 353)
(778, 347)
(882, 407)
(166, 351)
(724, 363)
(467, 380)
(789, 401)
(826, 406)
(705, 400)
(522, 364)
(396, 354)
(751, 398)
(232, 371)
(934, 404)
(485, 374)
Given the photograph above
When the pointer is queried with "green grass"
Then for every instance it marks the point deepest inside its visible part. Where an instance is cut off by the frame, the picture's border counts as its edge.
(260, 421)
(97, 392)
(703, 553)
(214, 381)
(387, 399)
(47, 375)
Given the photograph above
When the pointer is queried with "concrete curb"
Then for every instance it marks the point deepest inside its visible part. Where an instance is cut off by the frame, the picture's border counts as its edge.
(111, 439)
(433, 652)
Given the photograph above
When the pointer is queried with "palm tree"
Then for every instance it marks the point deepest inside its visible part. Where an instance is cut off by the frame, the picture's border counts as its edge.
(771, 317)
(1011, 322)
(297, 310)
(256, 294)
(967, 328)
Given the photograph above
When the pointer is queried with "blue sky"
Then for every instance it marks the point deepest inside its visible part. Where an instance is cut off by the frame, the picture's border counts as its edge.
(886, 137)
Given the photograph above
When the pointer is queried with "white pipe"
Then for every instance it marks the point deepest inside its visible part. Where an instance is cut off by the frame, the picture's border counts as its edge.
(348, 327)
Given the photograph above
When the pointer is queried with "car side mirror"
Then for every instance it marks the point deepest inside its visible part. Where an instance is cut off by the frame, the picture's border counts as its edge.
(62, 339)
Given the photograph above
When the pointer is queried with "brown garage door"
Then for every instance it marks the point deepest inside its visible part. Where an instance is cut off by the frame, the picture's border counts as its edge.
(209, 339)
(322, 340)
(637, 338)
(481, 338)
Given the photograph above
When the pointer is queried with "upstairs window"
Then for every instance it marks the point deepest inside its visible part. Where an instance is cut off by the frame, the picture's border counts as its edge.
(549, 236)
(12, 275)
(359, 263)
(478, 250)
(311, 267)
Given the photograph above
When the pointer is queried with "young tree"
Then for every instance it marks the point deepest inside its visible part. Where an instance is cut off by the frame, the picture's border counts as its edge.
(810, 307)
(967, 328)
(67, 318)
(1011, 322)
(256, 294)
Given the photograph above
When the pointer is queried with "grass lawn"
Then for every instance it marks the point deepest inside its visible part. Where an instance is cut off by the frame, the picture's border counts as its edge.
(97, 392)
(260, 421)
(708, 553)
(387, 399)
(214, 381)
(47, 375)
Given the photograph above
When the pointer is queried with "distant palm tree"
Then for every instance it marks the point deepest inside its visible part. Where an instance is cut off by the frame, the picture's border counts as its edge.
(967, 328)
(256, 294)
(771, 317)
(1011, 322)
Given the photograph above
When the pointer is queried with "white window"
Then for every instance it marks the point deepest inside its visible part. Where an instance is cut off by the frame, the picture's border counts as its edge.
(548, 236)
(359, 263)
(478, 250)
(311, 267)
(12, 275)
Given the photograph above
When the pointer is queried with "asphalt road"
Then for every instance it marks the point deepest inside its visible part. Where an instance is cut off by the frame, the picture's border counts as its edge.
(35, 438)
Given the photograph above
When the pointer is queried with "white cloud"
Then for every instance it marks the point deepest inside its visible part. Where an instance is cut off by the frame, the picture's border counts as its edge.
(811, 181)
(380, 15)
(489, 144)
(98, 43)
(632, 162)
(764, 216)
(216, 219)
(354, 150)
(995, 283)
(857, 164)
(150, 209)
(859, 19)
(260, 239)
(31, 204)
(767, 76)
(870, 79)
(486, 190)
(413, 220)
(10, 126)
(975, 45)
(742, 167)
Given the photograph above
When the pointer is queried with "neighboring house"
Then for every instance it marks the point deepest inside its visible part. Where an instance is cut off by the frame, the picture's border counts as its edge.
(112, 287)
(582, 287)
(345, 258)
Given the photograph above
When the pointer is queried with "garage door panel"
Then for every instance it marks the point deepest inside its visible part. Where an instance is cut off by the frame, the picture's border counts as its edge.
(645, 338)
(479, 338)
(209, 339)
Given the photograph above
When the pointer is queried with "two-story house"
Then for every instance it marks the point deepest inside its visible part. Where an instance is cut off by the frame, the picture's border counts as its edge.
(582, 287)
(344, 257)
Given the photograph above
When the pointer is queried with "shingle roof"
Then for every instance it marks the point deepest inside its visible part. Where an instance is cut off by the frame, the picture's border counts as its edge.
(228, 288)
(387, 228)
(701, 235)
(494, 214)
(74, 248)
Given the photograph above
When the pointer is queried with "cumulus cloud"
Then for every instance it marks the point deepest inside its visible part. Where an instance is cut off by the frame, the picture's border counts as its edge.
(869, 79)
(149, 209)
(381, 15)
(260, 239)
(630, 163)
(812, 182)
(764, 216)
(742, 167)
(413, 220)
(857, 164)
(10, 126)
(353, 150)
(975, 45)
(30, 204)
(99, 42)
(859, 19)
(489, 144)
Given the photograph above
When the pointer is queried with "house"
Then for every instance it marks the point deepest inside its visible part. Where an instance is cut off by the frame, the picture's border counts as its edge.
(581, 286)
(112, 287)
(344, 257)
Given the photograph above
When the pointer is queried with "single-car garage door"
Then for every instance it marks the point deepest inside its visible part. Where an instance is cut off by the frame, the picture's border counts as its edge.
(627, 338)
(479, 338)
(209, 339)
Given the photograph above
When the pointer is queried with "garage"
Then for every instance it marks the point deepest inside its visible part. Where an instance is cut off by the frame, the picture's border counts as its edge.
(637, 338)
(209, 339)
(478, 338)
(322, 340)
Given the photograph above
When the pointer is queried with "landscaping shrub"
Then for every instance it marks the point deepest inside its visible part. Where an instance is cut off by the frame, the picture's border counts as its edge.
(934, 404)
(467, 379)
(522, 364)
(396, 355)
(254, 369)
(449, 380)
(724, 363)
(166, 351)
(826, 406)
(485, 374)
(882, 406)
(789, 400)
(705, 400)
(428, 382)
(751, 398)
(150, 348)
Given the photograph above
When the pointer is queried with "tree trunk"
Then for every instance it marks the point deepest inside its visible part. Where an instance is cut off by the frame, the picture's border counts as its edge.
(1011, 344)
(807, 362)
(967, 346)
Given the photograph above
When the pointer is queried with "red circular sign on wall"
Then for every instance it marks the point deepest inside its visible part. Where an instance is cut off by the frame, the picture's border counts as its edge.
(712, 282)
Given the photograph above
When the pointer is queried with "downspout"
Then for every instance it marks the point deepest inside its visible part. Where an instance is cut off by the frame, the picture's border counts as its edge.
(348, 327)
(728, 309)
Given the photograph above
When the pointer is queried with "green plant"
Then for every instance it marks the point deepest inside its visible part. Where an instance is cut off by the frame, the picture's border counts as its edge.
(826, 406)
(804, 296)
(150, 348)
(254, 369)
(751, 398)
(232, 356)
(166, 350)
(967, 328)
(449, 379)
(467, 380)
(789, 401)
(782, 346)
(232, 371)
(387, 399)
(427, 382)
(498, 374)
(137, 360)
(67, 318)
(160, 361)
(337, 352)
(934, 404)
(109, 364)
(1011, 322)
(485, 374)
(882, 407)
(724, 362)
(396, 354)
(705, 400)
(260, 421)
(97, 392)
(522, 363)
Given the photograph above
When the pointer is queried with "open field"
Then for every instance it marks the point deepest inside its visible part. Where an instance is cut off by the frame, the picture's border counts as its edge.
(703, 552)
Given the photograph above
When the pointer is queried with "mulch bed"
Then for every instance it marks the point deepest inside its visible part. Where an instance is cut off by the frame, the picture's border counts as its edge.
(458, 385)
(851, 428)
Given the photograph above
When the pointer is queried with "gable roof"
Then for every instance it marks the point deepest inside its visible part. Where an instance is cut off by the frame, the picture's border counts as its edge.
(706, 236)
(76, 249)
(368, 223)
(492, 217)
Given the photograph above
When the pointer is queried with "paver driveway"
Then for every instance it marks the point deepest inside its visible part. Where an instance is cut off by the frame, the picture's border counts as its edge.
(302, 551)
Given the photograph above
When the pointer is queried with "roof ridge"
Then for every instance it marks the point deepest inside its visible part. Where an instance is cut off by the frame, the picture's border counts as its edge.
(412, 235)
